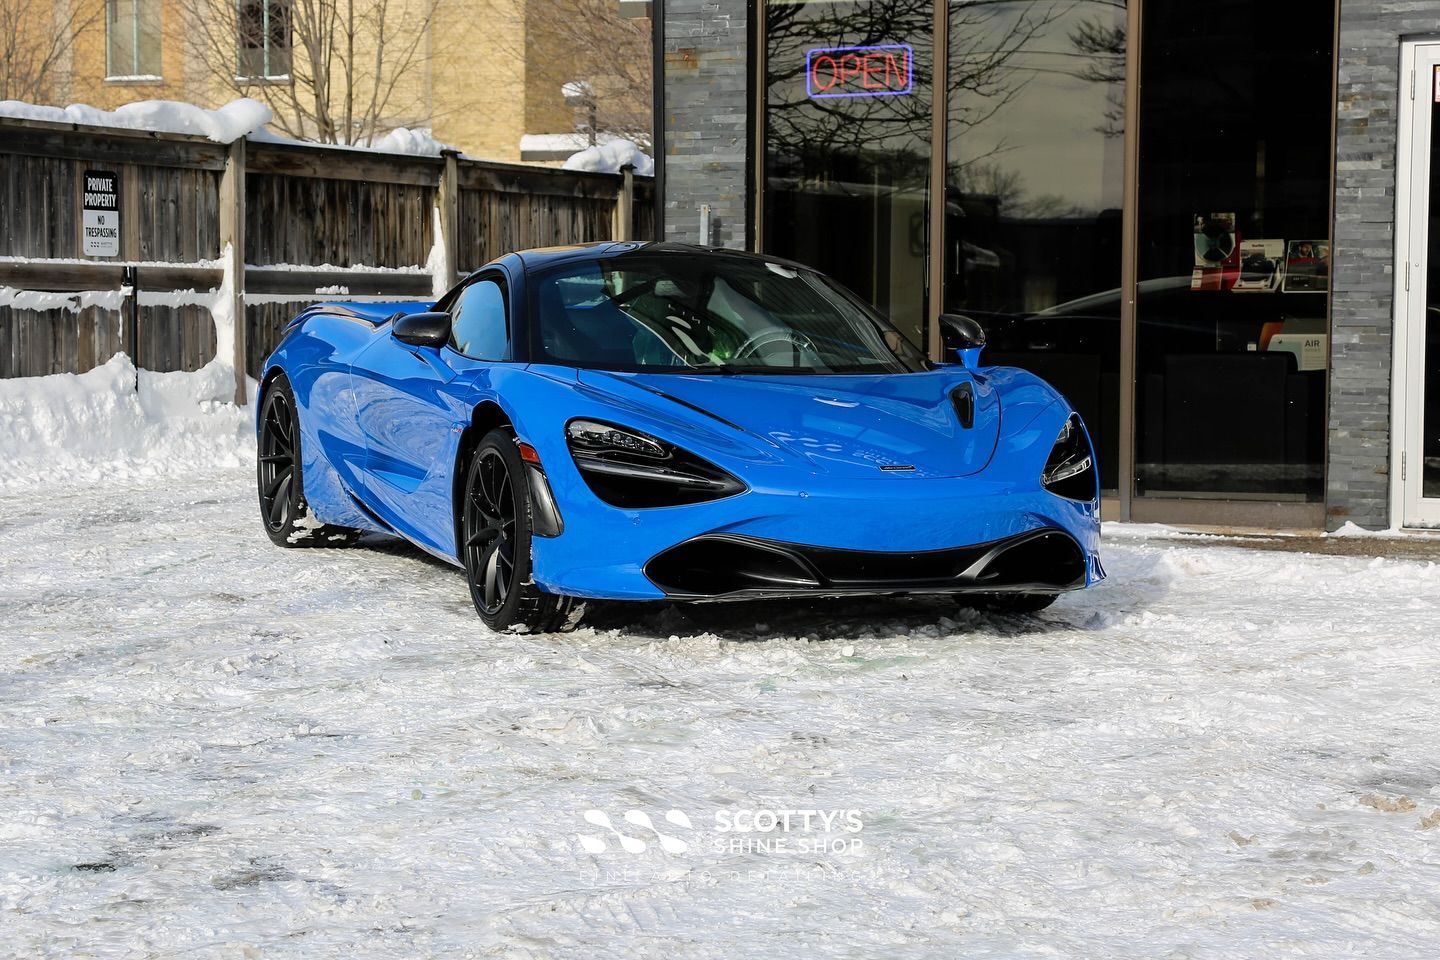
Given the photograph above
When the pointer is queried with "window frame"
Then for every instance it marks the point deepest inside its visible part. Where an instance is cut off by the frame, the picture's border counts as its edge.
(113, 21)
(457, 298)
(265, 47)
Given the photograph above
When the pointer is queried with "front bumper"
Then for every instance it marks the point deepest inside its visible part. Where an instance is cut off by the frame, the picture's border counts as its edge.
(945, 525)
(833, 535)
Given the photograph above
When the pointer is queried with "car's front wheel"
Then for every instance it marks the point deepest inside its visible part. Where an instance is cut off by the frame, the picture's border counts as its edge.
(496, 531)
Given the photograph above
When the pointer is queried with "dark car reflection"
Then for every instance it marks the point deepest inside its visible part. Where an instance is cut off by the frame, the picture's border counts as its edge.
(1230, 385)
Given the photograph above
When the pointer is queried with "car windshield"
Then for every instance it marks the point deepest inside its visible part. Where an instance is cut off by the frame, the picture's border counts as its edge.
(709, 314)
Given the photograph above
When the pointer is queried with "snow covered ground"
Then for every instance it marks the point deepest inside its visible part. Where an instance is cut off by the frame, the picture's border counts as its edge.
(211, 747)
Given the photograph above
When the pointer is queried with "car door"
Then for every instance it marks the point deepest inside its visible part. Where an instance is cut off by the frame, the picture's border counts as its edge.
(412, 404)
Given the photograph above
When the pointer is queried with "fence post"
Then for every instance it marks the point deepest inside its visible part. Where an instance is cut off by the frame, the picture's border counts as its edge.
(625, 204)
(447, 198)
(232, 232)
(130, 306)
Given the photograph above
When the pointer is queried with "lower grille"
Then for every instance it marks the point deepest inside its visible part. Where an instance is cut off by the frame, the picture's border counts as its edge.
(722, 566)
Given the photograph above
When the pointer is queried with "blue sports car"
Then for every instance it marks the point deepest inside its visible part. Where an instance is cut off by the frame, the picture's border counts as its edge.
(651, 421)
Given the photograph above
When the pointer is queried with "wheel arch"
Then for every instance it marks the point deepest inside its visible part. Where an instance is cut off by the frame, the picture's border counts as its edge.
(487, 415)
(267, 379)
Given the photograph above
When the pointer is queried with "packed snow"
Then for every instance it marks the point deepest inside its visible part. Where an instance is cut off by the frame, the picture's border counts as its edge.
(559, 142)
(415, 142)
(245, 117)
(213, 747)
(611, 156)
(115, 421)
(223, 124)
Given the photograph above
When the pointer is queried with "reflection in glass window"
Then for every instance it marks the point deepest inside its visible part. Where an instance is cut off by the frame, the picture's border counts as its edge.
(1430, 407)
(847, 145)
(264, 39)
(1034, 180)
(1234, 255)
(480, 330)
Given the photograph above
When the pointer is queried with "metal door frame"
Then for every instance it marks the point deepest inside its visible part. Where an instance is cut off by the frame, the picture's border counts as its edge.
(1419, 62)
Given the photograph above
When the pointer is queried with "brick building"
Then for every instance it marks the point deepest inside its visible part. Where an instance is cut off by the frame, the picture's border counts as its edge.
(487, 76)
(1208, 225)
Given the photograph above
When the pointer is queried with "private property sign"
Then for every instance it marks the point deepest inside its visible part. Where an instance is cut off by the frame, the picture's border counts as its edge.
(881, 71)
(100, 214)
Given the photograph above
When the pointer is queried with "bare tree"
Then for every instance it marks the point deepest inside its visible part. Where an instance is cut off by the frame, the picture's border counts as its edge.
(588, 45)
(981, 179)
(34, 47)
(335, 71)
(1102, 42)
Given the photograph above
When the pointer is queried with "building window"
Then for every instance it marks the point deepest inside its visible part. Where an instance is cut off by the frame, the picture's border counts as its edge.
(132, 39)
(1234, 251)
(264, 40)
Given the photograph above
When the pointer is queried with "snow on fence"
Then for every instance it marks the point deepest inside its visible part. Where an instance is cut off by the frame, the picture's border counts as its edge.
(211, 233)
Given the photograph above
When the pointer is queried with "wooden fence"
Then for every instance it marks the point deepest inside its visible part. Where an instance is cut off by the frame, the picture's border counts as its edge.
(284, 223)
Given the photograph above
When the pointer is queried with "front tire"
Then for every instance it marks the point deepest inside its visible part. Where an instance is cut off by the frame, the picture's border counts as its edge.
(495, 534)
(279, 477)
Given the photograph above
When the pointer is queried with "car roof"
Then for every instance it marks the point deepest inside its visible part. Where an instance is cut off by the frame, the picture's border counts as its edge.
(549, 256)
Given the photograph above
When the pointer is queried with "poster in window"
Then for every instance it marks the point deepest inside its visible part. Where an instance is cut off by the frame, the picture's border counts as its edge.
(1217, 252)
(1262, 266)
(1307, 267)
(1217, 245)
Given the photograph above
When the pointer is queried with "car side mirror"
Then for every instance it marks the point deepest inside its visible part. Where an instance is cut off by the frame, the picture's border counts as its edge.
(963, 335)
(430, 329)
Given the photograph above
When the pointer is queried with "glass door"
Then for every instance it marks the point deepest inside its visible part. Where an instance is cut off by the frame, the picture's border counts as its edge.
(848, 102)
(1034, 180)
(1417, 368)
(1233, 250)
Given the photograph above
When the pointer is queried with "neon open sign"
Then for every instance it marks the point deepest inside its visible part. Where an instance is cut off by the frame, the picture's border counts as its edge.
(883, 71)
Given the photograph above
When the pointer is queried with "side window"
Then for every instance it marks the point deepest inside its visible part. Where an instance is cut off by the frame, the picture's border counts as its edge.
(480, 330)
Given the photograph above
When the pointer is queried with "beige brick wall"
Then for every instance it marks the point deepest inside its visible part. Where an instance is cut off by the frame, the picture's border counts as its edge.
(477, 87)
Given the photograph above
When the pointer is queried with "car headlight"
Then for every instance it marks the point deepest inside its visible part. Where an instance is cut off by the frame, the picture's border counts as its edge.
(1070, 469)
(626, 468)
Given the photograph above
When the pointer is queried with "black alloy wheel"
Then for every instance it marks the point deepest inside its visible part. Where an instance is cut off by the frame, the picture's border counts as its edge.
(490, 531)
(495, 543)
(279, 477)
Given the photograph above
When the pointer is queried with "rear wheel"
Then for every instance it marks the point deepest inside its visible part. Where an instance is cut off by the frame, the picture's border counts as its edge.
(495, 530)
(1007, 603)
(280, 479)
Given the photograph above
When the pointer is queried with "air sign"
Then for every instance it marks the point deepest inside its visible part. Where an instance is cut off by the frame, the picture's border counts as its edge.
(883, 71)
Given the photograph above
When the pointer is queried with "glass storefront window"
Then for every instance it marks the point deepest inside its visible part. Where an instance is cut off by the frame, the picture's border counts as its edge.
(1234, 255)
(1034, 182)
(847, 145)
(1232, 248)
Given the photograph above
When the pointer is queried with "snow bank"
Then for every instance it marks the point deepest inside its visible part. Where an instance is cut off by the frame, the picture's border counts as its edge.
(415, 142)
(98, 424)
(1351, 529)
(610, 156)
(223, 124)
(239, 118)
